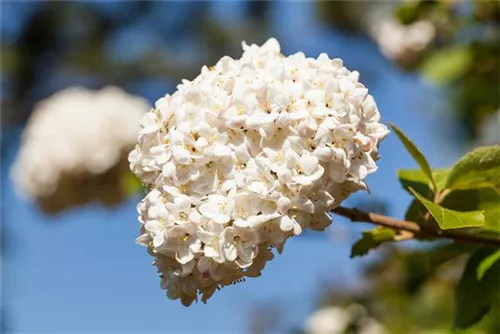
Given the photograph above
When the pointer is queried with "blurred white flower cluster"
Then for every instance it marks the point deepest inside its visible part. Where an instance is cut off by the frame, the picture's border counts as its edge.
(338, 320)
(249, 153)
(399, 42)
(73, 132)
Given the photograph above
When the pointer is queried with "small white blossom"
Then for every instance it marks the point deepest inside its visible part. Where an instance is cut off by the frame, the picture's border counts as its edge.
(249, 153)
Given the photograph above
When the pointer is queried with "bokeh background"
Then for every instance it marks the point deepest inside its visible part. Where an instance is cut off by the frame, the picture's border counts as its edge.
(80, 270)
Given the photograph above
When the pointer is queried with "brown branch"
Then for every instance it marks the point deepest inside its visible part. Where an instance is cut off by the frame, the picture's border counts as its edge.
(356, 215)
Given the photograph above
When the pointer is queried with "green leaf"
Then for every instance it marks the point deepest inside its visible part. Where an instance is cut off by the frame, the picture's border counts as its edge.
(486, 199)
(416, 179)
(477, 169)
(131, 184)
(372, 239)
(407, 13)
(416, 212)
(451, 219)
(416, 154)
(474, 296)
(443, 254)
(448, 64)
(487, 263)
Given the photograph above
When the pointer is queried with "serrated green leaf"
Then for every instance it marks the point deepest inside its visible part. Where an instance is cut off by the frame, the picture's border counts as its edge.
(372, 239)
(446, 65)
(487, 263)
(485, 199)
(477, 169)
(473, 296)
(416, 154)
(416, 179)
(451, 219)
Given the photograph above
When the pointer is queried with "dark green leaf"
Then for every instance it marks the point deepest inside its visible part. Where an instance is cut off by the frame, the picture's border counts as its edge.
(487, 263)
(416, 154)
(473, 296)
(372, 239)
(443, 254)
(477, 169)
(451, 219)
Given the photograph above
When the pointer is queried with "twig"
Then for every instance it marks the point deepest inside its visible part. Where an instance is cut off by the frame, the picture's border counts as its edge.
(356, 215)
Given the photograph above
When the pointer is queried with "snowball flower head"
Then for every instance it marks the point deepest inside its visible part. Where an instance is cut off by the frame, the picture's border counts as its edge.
(249, 153)
(73, 132)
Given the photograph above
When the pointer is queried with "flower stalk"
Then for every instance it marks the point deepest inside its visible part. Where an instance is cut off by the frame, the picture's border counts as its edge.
(356, 215)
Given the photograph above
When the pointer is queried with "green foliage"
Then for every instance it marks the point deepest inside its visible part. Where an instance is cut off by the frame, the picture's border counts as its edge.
(477, 169)
(485, 199)
(372, 239)
(474, 296)
(465, 196)
(406, 13)
(416, 154)
(435, 190)
(447, 65)
(416, 179)
(450, 251)
(451, 219)
(416, 212)
(487, 263)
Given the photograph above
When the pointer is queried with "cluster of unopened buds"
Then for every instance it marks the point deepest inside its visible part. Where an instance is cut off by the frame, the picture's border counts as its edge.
(251, 152)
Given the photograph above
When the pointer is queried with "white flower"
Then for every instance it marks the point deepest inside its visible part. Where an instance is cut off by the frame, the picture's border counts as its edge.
(218, 208)
(239, 245)
(251, 152)
(77, 137)
(211, 237)
(184, 241)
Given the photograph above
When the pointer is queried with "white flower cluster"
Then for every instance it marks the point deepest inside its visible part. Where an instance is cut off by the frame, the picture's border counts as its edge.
(75, 131)
(249, 153)
(397, 41)
(338, 320)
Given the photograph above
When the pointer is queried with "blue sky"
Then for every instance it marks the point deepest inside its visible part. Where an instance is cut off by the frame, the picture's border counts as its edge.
(82, 271)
